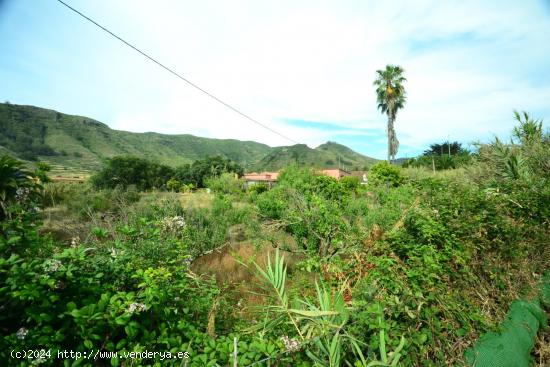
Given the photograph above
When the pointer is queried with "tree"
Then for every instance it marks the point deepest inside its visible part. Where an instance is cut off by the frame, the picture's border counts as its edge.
(445, 148)
(201, 169)
(125, 171)
(440, 156)
(391, 97)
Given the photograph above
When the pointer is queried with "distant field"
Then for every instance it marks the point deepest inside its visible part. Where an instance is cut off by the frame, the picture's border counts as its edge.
(66, 174)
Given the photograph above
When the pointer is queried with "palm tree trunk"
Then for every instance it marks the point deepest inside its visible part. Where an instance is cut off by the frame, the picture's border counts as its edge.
(393, 143)
(389, 130)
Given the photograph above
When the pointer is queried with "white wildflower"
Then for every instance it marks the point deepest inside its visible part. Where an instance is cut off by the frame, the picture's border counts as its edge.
(188, 260)
(75, 241)
(22, 193)
(136, 307)
(114, 252)
(40, 358)
(173, 224)
(52, 265)
(291, 345)
(22, 333)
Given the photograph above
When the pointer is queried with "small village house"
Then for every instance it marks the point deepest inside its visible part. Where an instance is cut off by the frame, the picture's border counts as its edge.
(336, 173)
(270, 178)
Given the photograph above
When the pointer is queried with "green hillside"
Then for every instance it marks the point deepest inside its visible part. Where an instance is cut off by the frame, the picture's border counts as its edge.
(349, 158)
(79, 143)
(328, 155)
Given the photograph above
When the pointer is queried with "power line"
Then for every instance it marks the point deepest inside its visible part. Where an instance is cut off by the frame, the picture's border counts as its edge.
(176, 74)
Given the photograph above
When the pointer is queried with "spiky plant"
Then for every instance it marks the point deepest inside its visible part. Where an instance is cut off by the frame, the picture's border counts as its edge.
(529, 130)
(320, 323)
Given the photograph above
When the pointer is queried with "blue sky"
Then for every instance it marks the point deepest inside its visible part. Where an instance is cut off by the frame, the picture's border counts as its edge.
(303, 67)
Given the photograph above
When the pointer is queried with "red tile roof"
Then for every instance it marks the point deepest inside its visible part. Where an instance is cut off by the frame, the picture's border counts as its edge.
(335, 173)
(263, 176)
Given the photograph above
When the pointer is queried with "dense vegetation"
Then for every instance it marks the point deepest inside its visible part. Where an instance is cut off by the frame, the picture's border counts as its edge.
(146, 175)
(442, 156)
(26, 140)
(408, 270)
(76, 142)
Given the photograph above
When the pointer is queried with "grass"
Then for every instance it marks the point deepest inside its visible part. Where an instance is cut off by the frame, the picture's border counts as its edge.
(197, 199)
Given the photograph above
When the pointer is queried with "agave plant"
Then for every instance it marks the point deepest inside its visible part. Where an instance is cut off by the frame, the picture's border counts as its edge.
(320, 324)
(388, 359)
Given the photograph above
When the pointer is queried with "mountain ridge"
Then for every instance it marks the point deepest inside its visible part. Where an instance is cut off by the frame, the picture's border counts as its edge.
(79, 142)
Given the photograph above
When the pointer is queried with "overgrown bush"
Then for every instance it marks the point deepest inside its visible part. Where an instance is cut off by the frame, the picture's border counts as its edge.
(126, 171)
(126, 290)
(258, 188)
(226, 183)
(202, 169)
(350, 183)
(174, 184)
(85, 201)
(386, 174)
(310, 206)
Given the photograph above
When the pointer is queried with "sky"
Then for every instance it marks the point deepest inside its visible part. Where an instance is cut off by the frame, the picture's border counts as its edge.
(304, 68)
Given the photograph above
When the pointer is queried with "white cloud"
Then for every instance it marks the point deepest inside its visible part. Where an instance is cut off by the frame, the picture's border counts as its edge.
(468, 64)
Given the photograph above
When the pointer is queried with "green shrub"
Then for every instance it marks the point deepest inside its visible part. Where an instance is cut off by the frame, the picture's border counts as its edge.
(386, 174)
(258, 188)
(226, 183)
(350, 183)
(41, 171)
(271, 204)
(202, 169)
(174, 184)
(126, 171)
(85, 200)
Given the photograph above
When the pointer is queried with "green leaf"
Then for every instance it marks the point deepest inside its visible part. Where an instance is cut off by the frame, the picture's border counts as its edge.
(312, 313)
(13, 240)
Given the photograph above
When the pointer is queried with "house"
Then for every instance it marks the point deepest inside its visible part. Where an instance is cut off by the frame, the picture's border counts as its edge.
(336, 173)
(268, 178)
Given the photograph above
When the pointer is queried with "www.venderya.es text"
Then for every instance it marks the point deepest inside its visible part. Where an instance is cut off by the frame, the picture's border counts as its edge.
(43, 354)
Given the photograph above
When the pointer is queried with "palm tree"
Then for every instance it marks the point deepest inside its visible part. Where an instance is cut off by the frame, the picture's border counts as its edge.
(13, 177)
(391, 97)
